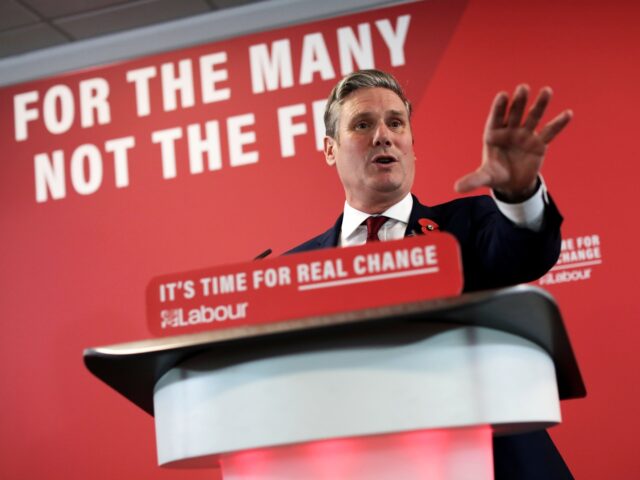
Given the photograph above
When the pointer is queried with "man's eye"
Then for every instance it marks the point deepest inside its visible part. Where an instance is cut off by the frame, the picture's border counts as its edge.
(361, 125)
(395, 123)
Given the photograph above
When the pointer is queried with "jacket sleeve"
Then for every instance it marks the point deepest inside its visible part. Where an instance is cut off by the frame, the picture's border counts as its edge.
(498, 253)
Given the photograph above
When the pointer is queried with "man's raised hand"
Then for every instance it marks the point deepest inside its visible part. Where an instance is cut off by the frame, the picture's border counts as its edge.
(513, 151)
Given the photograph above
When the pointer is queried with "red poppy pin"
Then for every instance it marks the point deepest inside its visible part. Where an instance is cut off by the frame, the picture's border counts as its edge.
(428, 225)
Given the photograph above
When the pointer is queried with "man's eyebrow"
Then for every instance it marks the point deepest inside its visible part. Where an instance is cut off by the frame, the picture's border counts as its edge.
(368, 114)
(397, 113)
(363, 114)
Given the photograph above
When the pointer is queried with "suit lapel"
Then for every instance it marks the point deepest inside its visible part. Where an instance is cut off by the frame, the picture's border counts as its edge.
(418, 211)
(329, 238)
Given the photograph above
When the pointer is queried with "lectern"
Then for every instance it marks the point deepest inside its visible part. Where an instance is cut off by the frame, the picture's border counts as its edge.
(400, 392)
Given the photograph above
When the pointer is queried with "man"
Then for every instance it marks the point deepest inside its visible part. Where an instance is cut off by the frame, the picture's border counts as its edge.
(512, 238)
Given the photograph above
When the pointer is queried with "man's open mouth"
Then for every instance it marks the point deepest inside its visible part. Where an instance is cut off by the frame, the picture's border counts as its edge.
(384, 160)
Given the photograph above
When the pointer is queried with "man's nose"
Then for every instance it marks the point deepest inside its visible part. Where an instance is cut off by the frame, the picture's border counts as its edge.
(382, 136)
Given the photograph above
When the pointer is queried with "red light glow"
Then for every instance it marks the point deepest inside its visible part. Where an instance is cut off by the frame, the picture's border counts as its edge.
(460, 454)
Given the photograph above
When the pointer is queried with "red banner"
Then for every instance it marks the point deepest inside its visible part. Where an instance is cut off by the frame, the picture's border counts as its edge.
(206, 110)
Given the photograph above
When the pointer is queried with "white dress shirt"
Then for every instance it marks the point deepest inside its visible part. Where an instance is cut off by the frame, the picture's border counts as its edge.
(527, 214)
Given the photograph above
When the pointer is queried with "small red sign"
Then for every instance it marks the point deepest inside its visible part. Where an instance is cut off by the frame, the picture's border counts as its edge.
(305, 285)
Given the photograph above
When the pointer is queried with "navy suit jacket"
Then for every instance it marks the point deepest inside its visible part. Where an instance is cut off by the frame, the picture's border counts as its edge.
(495, 253)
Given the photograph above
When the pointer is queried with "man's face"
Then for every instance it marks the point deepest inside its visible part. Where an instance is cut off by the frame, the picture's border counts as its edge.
(373, 151)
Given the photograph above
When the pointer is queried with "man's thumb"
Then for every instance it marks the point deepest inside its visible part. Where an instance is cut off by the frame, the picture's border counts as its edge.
(473, 180)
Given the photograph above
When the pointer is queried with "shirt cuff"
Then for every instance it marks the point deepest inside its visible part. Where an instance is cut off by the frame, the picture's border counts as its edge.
(528, 214)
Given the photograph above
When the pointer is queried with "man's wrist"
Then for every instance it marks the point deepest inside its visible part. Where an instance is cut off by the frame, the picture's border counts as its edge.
(528, 213)
(518, 197)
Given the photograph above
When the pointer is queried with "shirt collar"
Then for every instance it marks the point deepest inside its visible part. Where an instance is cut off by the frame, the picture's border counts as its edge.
(353, 218)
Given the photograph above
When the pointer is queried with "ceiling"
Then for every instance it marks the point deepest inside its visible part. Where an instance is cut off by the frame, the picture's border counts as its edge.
(28, 25)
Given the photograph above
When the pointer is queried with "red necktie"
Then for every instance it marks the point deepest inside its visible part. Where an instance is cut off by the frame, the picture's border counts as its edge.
(373, 226)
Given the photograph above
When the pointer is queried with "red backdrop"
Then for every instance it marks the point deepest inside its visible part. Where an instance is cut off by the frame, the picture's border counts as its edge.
(82, 238)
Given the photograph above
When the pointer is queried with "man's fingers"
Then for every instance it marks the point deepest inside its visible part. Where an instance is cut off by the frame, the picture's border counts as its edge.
(555, 126)
(517, 105)
(474, 180)
(498, 111)
(538, 108)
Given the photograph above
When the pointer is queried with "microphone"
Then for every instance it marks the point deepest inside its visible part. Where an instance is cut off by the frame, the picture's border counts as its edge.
(264, 254)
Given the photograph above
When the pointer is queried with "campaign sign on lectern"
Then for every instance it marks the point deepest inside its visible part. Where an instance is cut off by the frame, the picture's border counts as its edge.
(305, 284)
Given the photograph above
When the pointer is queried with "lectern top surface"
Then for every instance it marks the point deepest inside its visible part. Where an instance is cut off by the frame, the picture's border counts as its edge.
(134, 368)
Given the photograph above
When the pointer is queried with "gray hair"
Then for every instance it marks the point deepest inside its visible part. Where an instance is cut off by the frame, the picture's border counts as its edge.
(355, 81)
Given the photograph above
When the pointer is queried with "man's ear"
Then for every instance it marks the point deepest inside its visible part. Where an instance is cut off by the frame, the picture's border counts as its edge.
(329, 150)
